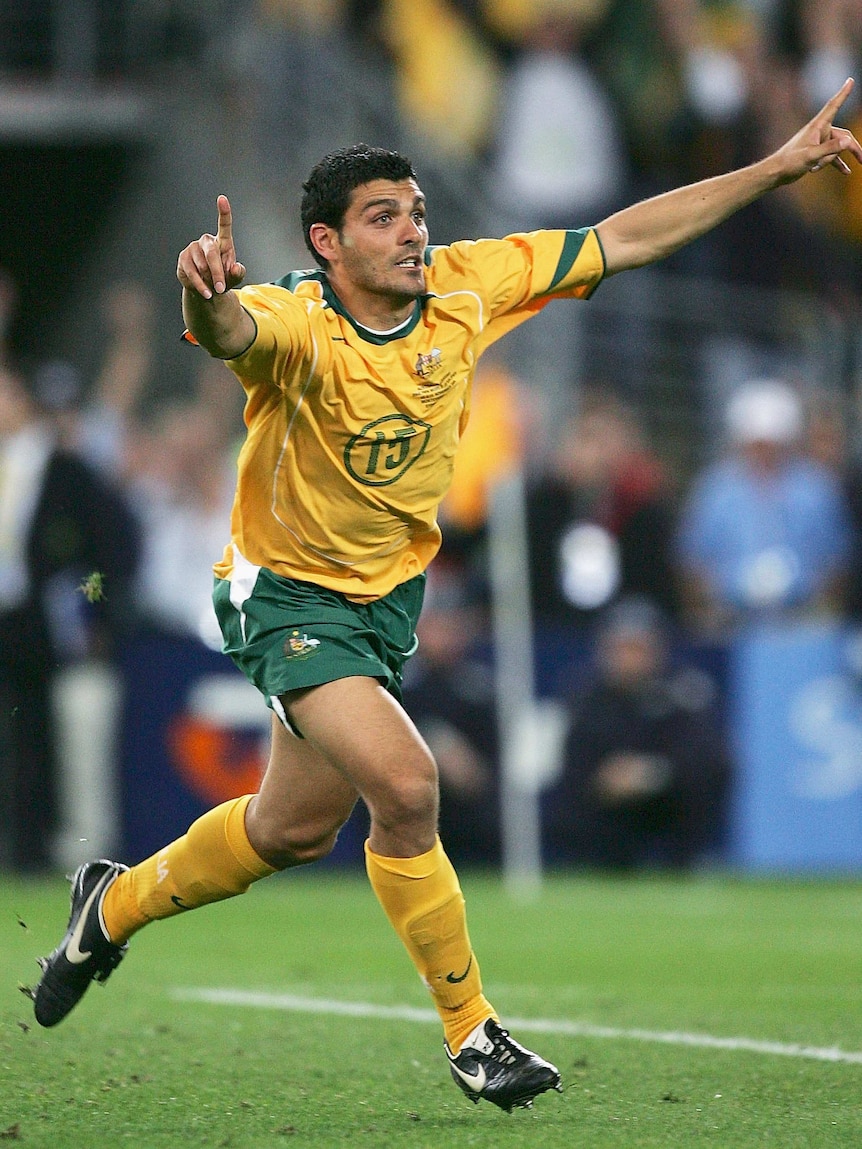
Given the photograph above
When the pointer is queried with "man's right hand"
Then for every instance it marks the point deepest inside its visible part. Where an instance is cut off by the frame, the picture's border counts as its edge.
(208, 269)
(209, 265)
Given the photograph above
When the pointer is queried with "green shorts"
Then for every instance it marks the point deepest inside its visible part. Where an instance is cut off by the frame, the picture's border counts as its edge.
(289, 635)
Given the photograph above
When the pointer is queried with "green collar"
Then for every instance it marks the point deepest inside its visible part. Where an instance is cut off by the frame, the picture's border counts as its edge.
(294, 278)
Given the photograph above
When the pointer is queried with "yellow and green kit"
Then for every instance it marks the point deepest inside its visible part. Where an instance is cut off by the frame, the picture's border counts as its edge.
(352, 433)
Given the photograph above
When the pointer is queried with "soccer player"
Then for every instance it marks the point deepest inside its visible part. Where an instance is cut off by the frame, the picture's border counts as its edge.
(357, 380)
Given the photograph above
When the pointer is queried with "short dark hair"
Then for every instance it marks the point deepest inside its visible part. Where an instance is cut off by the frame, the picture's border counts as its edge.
(327, 191)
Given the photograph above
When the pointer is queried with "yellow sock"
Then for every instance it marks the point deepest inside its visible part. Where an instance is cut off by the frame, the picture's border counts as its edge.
(423, 901)
(213, 860)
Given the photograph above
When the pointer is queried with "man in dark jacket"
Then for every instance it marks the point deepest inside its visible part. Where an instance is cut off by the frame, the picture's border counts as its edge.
(645, 768)
(68, 551)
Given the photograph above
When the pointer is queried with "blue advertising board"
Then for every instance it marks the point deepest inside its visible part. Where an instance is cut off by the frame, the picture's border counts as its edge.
(796, 713)
(195, 733)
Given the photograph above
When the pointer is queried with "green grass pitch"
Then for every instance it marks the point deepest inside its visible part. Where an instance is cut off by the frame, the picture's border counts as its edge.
(629, 985)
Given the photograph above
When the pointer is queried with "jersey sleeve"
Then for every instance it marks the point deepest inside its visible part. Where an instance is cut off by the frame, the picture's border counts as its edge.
(527, 269)
(516, 276)
(281, 334)
(562, 263)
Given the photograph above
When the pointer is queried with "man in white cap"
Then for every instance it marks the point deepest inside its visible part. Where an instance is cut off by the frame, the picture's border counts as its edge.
(765, 531)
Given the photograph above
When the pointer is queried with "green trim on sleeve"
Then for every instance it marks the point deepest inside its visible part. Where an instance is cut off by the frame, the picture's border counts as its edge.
(601, 252)
(572, 245)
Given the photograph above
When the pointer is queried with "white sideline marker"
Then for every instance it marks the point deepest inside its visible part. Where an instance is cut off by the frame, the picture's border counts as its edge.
(293, 1003)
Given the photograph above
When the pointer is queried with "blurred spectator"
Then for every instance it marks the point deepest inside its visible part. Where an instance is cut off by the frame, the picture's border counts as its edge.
(823, 38)
(110, 412)
(449, 694)
(678, 74)
(801, 232)
(558, 157)
(645, 775)
(686, 76)
(68, 552)
(491, 447)
(183, 492)
(765, 531)
(447, 74)
(600, 523)
(800, 240)
(557, 163)
(639, 48)
(819, 40)
(98, 422)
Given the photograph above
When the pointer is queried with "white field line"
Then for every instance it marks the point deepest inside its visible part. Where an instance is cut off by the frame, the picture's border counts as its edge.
(297, 1004)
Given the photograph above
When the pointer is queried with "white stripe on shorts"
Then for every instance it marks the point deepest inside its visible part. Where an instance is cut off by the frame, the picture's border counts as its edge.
(242, 580)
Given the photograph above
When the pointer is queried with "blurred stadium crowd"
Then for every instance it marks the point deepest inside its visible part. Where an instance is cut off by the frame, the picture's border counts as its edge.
(690, 447)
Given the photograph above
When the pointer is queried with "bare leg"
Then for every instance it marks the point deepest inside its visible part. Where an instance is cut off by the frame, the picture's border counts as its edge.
(302, 803)
(294, 819)
(365, 735)
(367, 738)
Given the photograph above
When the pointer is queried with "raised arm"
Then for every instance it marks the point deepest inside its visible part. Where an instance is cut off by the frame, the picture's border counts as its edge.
(650, 230)
(208, 270)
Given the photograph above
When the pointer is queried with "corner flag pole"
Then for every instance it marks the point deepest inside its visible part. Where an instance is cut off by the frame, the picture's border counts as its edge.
(520, 769)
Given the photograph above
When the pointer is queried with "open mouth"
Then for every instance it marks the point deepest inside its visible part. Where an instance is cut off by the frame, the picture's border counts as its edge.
(411, 262)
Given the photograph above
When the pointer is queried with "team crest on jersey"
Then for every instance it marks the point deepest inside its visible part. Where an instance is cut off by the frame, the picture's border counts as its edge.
(431, 389)
(300, 645)
(426, 365)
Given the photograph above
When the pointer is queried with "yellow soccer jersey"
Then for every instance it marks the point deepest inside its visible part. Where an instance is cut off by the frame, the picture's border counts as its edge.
(351, 433)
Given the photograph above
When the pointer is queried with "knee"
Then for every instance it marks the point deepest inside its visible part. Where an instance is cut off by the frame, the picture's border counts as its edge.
(284, 847)
(303, 848)
(410, 798)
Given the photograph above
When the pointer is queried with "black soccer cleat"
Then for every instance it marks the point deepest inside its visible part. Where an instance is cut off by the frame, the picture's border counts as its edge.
(492, 1065)
(86, 953)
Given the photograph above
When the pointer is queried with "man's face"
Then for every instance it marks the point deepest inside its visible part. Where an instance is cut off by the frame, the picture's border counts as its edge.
(631, 658)
(765, 456)
(381, 243)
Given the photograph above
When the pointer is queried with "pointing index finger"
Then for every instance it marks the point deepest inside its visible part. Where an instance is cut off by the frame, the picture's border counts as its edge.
(225, 221)
(833, 106)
